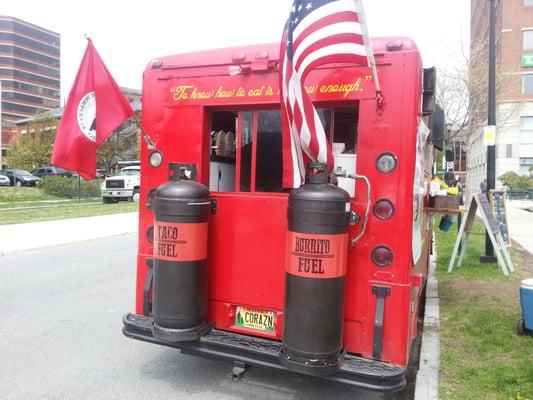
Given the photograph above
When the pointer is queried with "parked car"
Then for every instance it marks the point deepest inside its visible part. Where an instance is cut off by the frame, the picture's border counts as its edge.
(4, 180)
(101, 173)
(50, 170)
(19, 177)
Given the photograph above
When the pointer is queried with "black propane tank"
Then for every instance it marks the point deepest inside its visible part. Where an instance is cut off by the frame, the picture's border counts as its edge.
(181, 209)
(317, 251)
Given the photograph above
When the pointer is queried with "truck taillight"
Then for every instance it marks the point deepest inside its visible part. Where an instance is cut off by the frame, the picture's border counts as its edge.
(386, 162)
(383, 209)
(382, 256)
(155, 159)
(150, 234)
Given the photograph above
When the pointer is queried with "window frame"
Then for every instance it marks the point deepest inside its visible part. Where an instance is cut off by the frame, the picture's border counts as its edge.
(529, 41)
(524, 83)
(526, 132)
(256, 110)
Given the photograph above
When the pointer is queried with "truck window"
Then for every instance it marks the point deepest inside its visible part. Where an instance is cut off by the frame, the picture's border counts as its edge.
(246, 147)
(345, 129)
(245, 140)
(269, 164)
(222, 168)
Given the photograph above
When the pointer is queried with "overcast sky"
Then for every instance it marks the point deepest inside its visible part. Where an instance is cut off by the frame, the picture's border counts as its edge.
(128, 34)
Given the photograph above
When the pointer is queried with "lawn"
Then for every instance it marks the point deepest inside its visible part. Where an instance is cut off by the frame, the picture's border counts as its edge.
(61, 212)
(11, 194)
(30, 204)
(482, 357)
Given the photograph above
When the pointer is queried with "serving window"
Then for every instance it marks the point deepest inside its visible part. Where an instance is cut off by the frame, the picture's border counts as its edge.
(246, 147)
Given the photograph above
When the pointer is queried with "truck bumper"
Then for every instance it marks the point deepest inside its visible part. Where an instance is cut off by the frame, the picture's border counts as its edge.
(117, 193)
(355, 371)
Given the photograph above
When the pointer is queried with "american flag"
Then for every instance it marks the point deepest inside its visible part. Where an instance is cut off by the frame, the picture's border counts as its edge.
(317, 32)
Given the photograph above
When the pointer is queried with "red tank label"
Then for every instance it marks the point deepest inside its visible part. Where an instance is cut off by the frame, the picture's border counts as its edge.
(316, 256)
(180, 242)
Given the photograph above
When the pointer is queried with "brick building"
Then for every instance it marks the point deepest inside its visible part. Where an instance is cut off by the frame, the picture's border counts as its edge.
(29, 72)
(514, 89)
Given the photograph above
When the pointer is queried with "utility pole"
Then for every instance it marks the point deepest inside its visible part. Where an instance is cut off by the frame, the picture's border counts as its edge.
(1, 131)
(491, 150)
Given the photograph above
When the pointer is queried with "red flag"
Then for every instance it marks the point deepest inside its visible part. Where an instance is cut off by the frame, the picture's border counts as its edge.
(95, 108)
(317, 33)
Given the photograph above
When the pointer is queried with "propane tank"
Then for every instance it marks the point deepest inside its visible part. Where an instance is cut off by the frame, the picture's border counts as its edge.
(181, 209)
(317, 251)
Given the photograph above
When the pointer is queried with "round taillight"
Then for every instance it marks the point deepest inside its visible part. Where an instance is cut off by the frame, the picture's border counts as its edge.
(383, 209)
(155, 159)
(386, 162)
(381, 256)
(150, 234)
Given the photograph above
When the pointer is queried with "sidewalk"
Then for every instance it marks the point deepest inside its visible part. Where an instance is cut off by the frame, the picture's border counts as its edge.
(521, 222)
(21, 237)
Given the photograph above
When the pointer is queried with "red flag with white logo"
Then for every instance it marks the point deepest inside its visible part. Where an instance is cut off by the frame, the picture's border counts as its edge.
(95, 108)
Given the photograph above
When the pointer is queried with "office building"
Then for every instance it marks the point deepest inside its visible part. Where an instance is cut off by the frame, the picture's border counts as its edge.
(29, 72)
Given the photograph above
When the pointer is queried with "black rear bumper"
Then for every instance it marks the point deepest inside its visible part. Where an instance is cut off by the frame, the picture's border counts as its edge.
(355, 371)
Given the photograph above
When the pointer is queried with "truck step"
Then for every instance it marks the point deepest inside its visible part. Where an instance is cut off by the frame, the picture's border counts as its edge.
(355, 371)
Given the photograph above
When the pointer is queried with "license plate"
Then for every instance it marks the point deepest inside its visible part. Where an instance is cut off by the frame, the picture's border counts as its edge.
(255, 319)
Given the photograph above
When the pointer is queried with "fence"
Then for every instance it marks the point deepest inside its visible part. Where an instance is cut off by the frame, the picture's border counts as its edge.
(519, 194)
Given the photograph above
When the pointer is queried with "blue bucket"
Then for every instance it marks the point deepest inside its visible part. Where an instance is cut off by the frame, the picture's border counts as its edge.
(446, 223)
(526, 301)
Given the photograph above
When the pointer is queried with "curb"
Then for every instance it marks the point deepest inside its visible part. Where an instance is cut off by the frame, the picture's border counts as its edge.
(18, 238)
(427, 377)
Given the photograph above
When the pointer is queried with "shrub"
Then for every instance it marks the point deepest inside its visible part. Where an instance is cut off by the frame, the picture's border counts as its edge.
(63, 186)
(514, 181)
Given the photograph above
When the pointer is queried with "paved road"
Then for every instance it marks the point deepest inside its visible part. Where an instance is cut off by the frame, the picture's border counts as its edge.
(520, 219)
(60, 337)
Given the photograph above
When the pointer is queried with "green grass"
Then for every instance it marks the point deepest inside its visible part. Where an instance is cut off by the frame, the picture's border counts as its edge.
(54, 212)
(48, 203)
(10, 194)
(482, 357)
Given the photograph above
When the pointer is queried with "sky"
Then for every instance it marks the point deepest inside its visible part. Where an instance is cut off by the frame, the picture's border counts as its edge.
(128, 34)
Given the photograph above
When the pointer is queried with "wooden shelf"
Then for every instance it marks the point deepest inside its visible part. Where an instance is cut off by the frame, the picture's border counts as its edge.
(444, 210)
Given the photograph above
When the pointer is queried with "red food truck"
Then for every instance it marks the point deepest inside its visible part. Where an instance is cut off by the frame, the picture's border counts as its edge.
(215, 250)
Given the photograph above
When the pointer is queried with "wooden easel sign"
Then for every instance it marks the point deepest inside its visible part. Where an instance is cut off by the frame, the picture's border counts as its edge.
(500, 247)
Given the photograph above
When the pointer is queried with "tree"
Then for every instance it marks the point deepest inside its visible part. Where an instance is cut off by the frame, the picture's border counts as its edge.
(34, 148)
(462, 91)
(123, 144)
(514, 181)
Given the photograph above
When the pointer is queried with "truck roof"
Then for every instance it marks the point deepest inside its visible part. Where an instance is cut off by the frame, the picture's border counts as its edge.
(268, 51)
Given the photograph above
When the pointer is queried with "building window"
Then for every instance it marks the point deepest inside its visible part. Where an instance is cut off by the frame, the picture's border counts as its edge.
(527, 40)
(527, 84)
(525, 164)
(459, 163)
(526, 129)
(528, 3)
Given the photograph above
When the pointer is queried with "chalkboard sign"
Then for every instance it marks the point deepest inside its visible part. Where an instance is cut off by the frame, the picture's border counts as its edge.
(493, 230)
(500, 214)
(487, 210)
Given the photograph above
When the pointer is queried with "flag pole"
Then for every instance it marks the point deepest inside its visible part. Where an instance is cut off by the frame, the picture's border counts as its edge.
(368, 46)
(149, 143)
